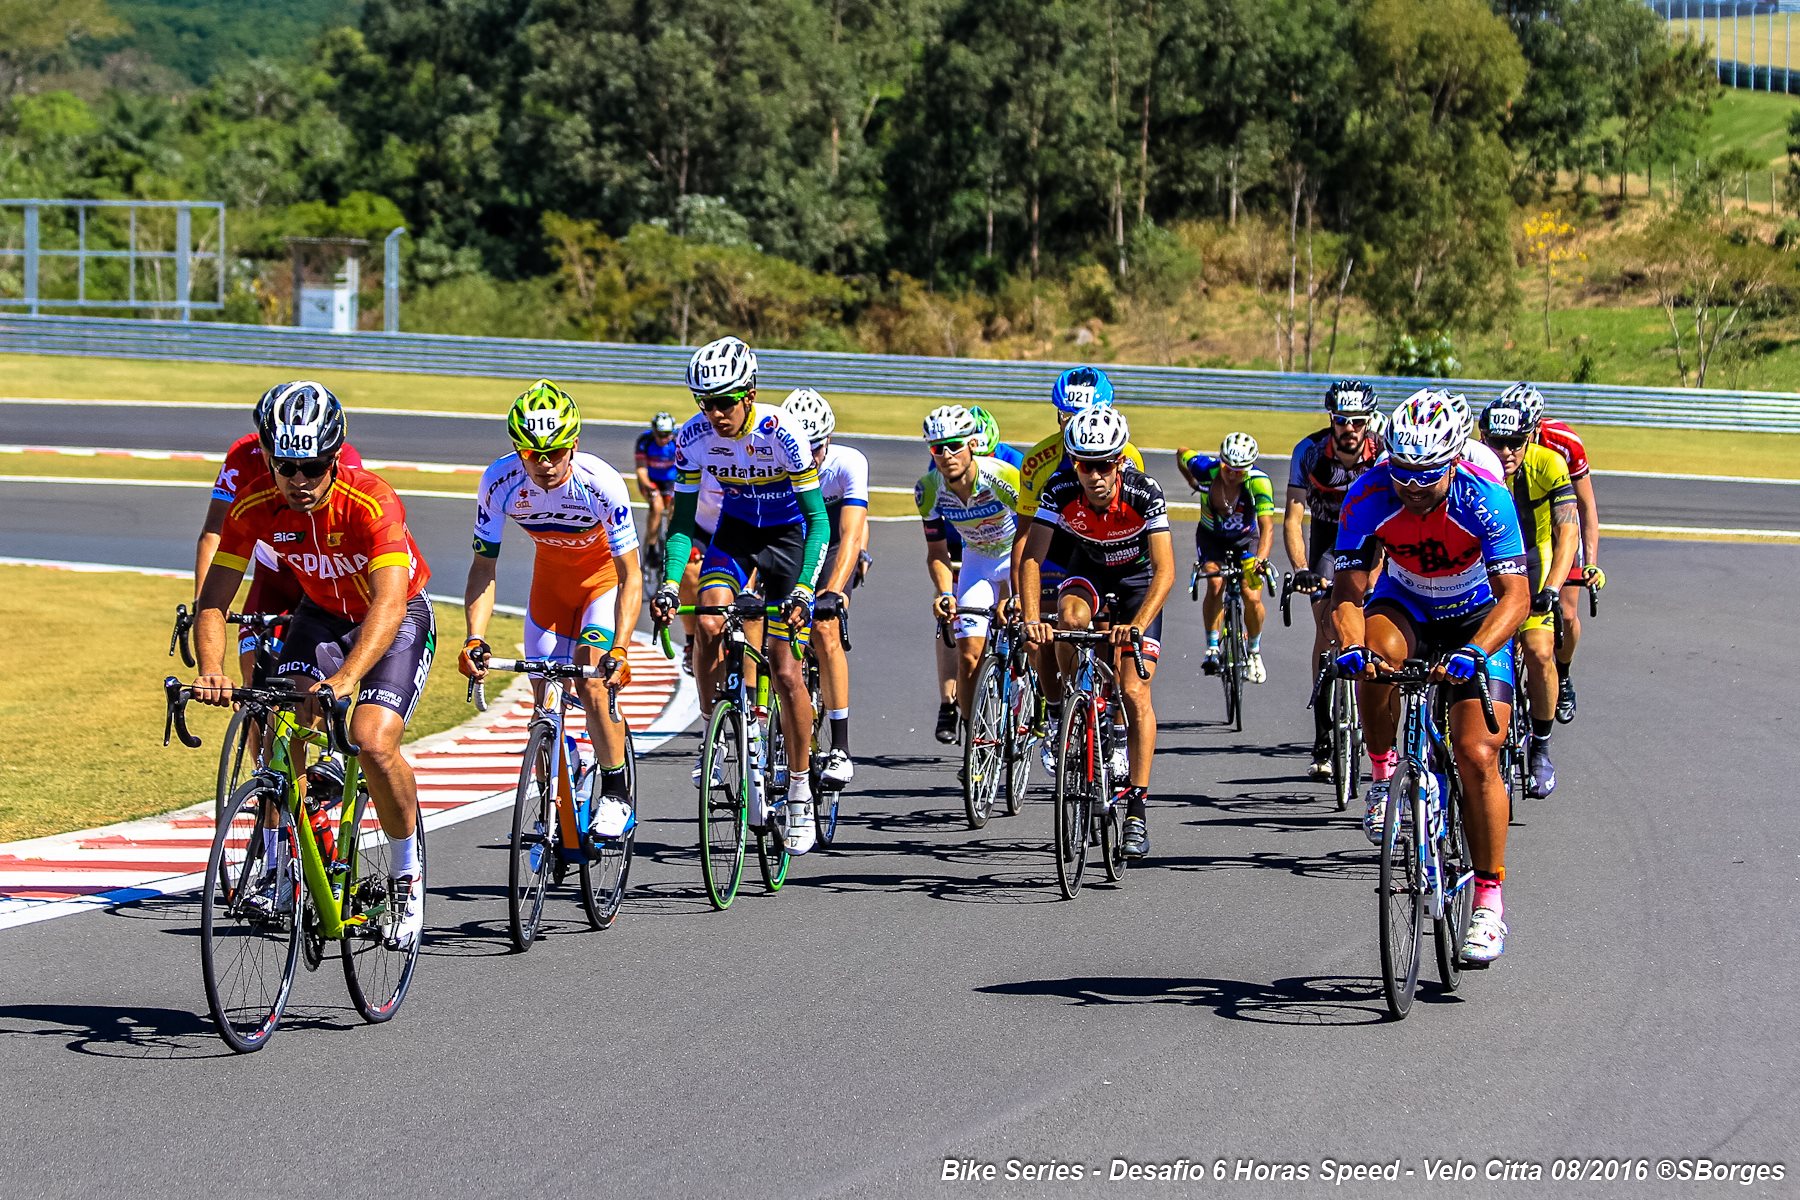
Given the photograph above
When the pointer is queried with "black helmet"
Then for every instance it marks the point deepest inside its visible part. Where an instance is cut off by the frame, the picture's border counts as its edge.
(300, 420)
(1351, 398)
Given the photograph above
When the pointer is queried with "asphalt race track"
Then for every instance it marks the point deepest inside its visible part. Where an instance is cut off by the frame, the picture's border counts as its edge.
(918, 993)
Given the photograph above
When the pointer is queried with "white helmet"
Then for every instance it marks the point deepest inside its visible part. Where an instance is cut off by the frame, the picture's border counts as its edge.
(1459, 404)
(1426, 431)
(1532, 400)
(1096, 432)
(951, 423)
(1378, 425)
(814, 413)
(724, 365)
(1238, 450)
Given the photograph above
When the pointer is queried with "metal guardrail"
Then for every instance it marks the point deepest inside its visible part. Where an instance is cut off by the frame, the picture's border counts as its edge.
(876, 374)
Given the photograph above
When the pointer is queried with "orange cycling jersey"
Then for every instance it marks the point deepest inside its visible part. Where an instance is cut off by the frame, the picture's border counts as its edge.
(332, 550)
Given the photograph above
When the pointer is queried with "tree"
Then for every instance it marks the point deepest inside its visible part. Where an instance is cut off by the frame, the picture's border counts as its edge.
(1661, 105)
(1711, 280)
(36, 34)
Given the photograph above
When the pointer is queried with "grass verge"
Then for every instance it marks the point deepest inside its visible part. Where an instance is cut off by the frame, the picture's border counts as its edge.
(84, 748)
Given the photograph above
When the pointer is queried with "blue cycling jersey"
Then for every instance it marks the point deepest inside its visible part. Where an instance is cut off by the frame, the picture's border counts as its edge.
(759, 472)
(1439, 562)
(657, 458)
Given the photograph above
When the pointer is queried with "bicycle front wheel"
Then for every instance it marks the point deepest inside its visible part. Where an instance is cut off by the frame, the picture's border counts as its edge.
(724, 800)
(606, 862)
(771, 840)
(1022, 739)
(984, 748)
(249, 922)
(376, 971)
(236, 757)
(1402, 897)
(1074, 775)
(1345, 761)
(1234, 672)
(1458, 874)
(536, 837)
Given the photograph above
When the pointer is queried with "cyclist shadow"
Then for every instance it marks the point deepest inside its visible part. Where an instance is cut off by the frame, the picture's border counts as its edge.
(1339, 864)
(119, 1031)
(1334, 1000)
(1016, 872)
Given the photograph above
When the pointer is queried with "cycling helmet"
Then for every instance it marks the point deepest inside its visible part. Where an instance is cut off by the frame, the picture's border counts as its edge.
(814, 413)
(543, 418)
(299, 420)
(1426, 431)
(1532, 400)
(1459, 404)
(1506, 417)
(1350, 398)
(988, 440)
(720, 366)
(662, 422)
(1378, 424)
(951, 423)
(1078, 387)
(1238, 450)
(1096, 432)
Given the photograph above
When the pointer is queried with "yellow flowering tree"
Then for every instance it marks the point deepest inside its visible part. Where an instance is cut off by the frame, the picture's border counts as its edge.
(1550, 242)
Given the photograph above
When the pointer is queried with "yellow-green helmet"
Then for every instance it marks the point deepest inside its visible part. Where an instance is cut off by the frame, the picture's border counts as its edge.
(544, 418)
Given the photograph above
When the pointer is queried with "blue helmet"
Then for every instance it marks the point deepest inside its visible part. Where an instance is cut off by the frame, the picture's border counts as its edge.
(1080, 387)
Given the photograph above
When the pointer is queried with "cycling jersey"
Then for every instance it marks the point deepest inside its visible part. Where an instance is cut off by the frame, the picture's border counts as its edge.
(1439, 562)
(1047, 458)
(1012, 456)
(332, 550)
(759, 472)
(656, 458)
(1255, 498)
(1114, 542)
(843, 479)
(1316, 468)
(1566, 442)
(987, 523)
(243, 460)
(1539, 486)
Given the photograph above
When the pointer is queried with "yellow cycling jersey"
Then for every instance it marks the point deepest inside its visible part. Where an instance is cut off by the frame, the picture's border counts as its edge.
(1041, 463)
(1539, 485)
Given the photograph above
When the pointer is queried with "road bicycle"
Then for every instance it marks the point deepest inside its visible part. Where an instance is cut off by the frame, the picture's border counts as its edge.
(550, 827)
(1234, 642)
(826, 797)
(1003, 730)
(743, 761)
(1515, 752)
(327, 881)
(240, 750)
(1425, 865)
(1344, 718)
(1086, 806)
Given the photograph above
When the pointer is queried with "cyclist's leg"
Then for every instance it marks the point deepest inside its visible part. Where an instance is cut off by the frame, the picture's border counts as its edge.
(1137, 697)
(723, 574)
(1321, 560)
(834, 664)
(1211, 551)
(1538, 638)
(981, 584)
(778, 566)
(1570, 598)
(1484, 798)
(1390, 629)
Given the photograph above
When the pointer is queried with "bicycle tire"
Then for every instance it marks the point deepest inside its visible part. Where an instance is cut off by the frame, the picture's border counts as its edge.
(1022, 738)
(1070, 820)
(724, 809)
(984, 743)
(1345, 762)
(536, 837)
(1401, 902)
(239, 950)
(1450, 930)
(606, 862)
(772, 857)
(377, 974)
(1112, 844)
(825, 802)
(232, 748)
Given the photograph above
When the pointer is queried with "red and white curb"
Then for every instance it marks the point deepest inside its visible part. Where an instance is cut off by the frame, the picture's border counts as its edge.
(463, 773)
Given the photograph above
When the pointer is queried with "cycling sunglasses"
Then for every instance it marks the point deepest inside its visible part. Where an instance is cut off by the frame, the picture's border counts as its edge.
(311, 468)
(1416, 480)
(1351, 422)
(948, 447)
(546, 456)
(1511, 445)
(1100, 466)
(724, 402)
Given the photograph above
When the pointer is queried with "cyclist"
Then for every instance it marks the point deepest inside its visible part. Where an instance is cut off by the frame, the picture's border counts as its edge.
(706, 519)
(1544, 498)
(586, 591)
(1237, 524)
(363, 627)
(988, 443)
(771, 521)
(1452, 585)
(1107, 524)
(844, 484)
(1321, 470)
(655, 457)
(1587, 573)
(978, 496)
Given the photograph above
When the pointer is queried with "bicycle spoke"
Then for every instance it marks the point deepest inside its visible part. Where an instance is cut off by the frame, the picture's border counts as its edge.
(249, 934)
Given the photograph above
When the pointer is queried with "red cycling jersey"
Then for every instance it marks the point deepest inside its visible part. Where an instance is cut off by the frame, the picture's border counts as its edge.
(332, 550)
(1566, 442)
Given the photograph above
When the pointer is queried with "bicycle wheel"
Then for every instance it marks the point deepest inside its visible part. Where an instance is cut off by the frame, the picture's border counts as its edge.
(1073, 770)
(723, 805)
(236, 760)
(248, 956)
(1458, 874)
(1112, 843)
(536, 837)
(377, 974)
(1234, 678)
(1022, 738)
(984, 747)
(825, 802)
(1345, 763)
(1402, 897)
(606, 862)
(772, 856)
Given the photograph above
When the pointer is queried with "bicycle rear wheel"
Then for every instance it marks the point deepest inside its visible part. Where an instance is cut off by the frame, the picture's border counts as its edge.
(1402, 900)
(1458, 874)
(236, 759)
(724, 797)
(536, 837)
(825, 802)
(1022, 740)
(772, 857)
(606, 862)
(1112, 843)
(376, 972)
(1346, 763)
(1074, 769)
(984, 746)
(248, 956)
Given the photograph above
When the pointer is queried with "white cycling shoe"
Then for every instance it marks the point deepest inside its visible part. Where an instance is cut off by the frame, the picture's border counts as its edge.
(718, 772)
(409, 918)
(1120, 765)
(801, 834)
(838, 770)
(1376, 816)
(1486, 940)
(612, 817)
(1254, 670)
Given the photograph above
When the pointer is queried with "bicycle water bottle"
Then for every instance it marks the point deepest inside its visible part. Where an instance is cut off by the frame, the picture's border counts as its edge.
(321, 824)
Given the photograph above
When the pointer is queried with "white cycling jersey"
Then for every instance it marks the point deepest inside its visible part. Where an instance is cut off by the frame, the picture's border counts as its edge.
(588, 517)
(843, 479)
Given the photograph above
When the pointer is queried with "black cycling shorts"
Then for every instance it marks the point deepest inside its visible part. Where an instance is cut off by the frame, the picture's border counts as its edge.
(318, 642)
(1435, 639)
(1212, 547)
(1129, 591)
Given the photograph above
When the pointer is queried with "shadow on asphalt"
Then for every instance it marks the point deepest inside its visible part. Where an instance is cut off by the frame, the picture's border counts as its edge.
(110, 1031)
(1300, 1000)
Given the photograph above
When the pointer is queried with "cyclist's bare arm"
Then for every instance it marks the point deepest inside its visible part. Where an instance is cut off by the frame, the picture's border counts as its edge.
(220, 586)
(1293, 528)
(645, 487)
(1565, 538)
(1032, 548)
(630, 601)
(1265, 536)
(937, 565)
(1512, 604)
(853, 539)
(1348, 588)
(478, 594)
(208, 544)
(1162, 577)
(1590, 518)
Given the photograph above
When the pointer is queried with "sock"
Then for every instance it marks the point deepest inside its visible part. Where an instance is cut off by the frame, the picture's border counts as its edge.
(271, 847)
(1381, 766)
(1487, 892)
(1212, 639)
(1256, 643)
(799, 787)
(840, 729)
(1565, 669)
(612, 781)
(1134, 801)
(405, 855)
(1541, 729)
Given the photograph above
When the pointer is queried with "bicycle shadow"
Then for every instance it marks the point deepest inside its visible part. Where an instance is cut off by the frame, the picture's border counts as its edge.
(118, 1031)
(1339, 864)
(1322, 1000)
